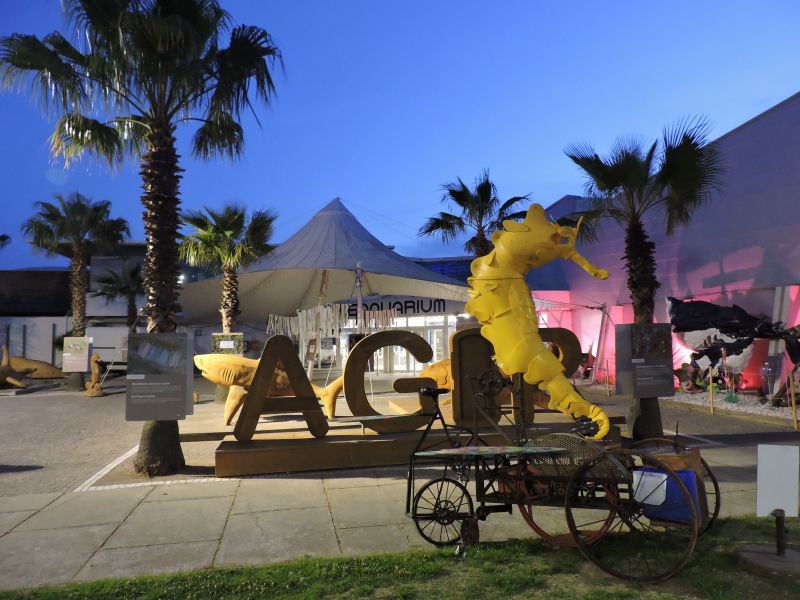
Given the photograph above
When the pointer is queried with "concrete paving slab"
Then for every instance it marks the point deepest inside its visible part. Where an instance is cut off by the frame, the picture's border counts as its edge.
(147, 560)
(364, 507)
(379, 539)
(26, 502)
(187, 491)
(737, 504)
(177, 521)
(365, 478)
(500, 527)
(77, 509)
(9, 520)
(256, 495)
(277, 535)
(32, 558)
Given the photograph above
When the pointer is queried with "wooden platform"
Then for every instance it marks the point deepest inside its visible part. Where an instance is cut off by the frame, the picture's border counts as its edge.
(344, 447)
(293, 449)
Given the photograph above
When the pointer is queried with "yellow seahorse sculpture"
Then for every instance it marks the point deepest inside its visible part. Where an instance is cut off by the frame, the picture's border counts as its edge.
(501, 301)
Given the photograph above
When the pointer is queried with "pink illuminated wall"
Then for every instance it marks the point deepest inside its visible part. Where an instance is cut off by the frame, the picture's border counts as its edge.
(740, 246)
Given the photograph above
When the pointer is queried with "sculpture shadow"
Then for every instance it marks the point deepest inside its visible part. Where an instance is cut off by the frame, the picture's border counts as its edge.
(19, 468)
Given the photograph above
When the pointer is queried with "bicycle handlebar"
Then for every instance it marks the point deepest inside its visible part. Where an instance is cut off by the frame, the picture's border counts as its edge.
(435, 392)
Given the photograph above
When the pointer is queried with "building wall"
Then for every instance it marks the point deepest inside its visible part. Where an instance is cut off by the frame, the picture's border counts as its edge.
(740, 246)
(32, 337)
(744, 238)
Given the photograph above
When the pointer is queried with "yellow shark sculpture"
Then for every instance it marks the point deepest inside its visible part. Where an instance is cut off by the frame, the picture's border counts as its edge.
(9, 375)
(236, 373)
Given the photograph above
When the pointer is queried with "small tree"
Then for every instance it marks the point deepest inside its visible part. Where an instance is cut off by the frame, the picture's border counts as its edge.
(479, 210)
(75, 227)
(225, 241)
(126, 284)
(674, 176)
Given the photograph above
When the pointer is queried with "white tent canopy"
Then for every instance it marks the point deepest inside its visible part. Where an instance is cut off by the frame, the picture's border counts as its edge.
(290, 278)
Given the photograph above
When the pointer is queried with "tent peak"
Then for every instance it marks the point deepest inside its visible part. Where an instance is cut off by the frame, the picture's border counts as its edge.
(334, 205)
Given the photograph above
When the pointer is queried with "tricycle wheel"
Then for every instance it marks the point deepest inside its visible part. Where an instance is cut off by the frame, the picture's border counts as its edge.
(709, 480)
(656, 518)
(439, 508)
(548, 521)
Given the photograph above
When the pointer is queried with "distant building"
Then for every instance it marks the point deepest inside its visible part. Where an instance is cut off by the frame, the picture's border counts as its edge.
(34, 305)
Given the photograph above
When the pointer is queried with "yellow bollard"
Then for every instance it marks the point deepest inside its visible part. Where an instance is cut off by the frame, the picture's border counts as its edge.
(794, 401)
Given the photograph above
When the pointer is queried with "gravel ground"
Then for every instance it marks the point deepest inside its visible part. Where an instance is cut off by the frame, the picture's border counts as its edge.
(745, 403)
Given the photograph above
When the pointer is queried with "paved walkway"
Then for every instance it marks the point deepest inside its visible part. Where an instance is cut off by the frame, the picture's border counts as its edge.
(138, 529)
(177, 524)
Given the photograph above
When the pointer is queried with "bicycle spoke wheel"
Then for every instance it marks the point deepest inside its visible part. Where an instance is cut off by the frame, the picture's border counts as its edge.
(439, 507)
(655, 525)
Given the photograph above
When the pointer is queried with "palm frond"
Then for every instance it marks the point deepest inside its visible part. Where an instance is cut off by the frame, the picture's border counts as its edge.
(76, 134)
(486, 193)
(120, 285)
(219, 136)
(248, 59)
(196, 218)
(445, 225)
(631, 167)
(459, 193)
(51, 79)
(225, 238)
(506, 213)
(258, 234)
(690, 168)
(132, 131)
(600, 179)
(74, 223)
(197, 252)
(589, 221)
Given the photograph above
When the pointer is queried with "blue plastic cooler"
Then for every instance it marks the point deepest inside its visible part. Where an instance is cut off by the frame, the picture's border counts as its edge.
(674, 509)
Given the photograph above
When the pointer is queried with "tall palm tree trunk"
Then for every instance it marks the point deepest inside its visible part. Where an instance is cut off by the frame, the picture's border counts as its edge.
(160, 447)
(640, 263)
(79, 285)
(482, 245)
(229, 304)
(644, 415)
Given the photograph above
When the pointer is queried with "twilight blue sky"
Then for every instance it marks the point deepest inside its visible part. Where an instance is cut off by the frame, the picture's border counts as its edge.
(384, 101)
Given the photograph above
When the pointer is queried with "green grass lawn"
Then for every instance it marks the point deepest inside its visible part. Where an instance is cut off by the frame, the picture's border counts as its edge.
(515, 569)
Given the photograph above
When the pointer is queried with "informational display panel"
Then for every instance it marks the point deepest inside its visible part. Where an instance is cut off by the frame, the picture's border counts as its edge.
(778, 479)
(159, 380)
(227, 343)
(77, 351)
(644, 360)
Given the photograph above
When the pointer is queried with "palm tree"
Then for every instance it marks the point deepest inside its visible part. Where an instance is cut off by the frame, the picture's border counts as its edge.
(225, 241)
(126, 284)
(5, 240)
(75, 227)
(137, 70)
(673, 176)
(479, 210)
